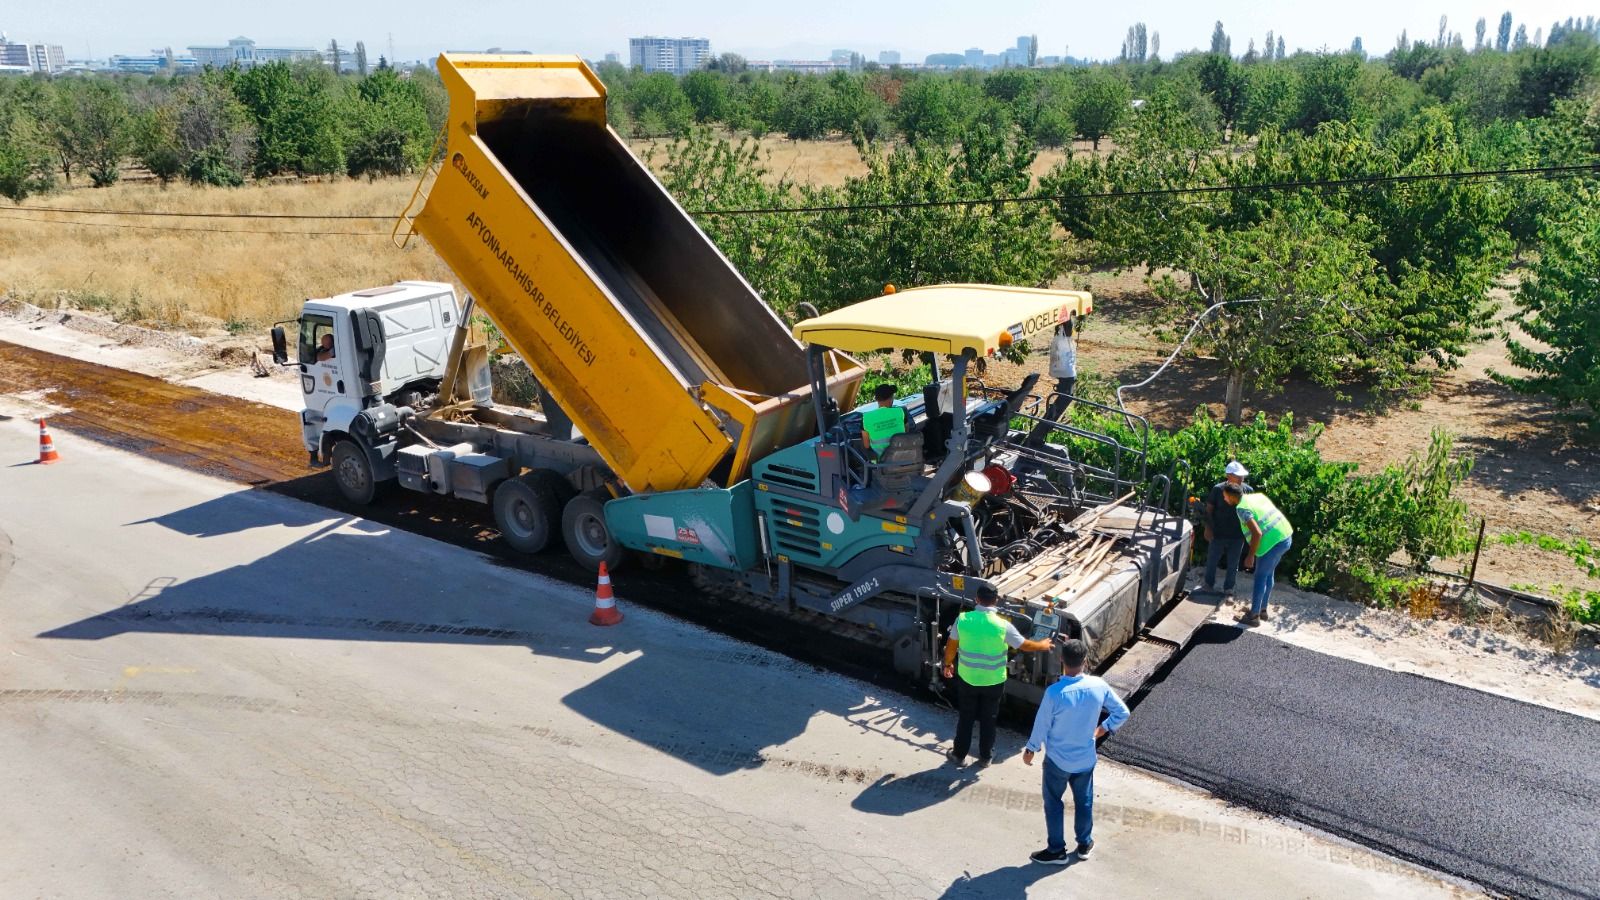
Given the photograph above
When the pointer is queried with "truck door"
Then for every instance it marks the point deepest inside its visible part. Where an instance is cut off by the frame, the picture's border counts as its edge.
(323, 368)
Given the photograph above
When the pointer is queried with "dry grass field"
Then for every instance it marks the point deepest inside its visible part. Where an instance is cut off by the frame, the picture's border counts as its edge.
(200, 274)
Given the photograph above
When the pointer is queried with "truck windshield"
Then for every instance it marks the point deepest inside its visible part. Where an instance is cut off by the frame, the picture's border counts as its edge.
(316, 338)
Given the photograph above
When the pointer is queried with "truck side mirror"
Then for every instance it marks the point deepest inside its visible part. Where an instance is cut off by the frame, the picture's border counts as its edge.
(280, 346)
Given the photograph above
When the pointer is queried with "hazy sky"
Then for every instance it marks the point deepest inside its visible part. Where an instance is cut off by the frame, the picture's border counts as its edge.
(809, 29)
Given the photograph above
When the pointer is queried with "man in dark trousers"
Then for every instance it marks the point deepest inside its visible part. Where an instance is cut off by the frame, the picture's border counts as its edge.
(976, 651)
(1066, 727)
(1224, 535)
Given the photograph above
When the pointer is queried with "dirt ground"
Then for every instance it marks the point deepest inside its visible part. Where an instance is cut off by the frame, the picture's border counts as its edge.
(1530, 473)
(831, 161)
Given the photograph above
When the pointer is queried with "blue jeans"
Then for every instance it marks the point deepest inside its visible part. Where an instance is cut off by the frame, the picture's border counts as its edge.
(1056, 782)
(1231, 549)
(1266, 570)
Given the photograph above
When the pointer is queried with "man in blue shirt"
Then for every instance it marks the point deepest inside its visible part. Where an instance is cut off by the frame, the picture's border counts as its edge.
(1067, 725)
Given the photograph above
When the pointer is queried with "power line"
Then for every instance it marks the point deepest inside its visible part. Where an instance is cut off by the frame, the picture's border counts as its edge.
(7, 215)
(200, 215)
(1334, 183)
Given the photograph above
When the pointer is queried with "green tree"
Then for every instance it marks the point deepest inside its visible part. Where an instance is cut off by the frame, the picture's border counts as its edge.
(773, 251)
(296, 117)
(708, 94)
(1328, 91)
(1547, 75)
(93, 128)
(27, 161)
(934, 109)
(806, 110)
(213, 131)
(1559, 306)
(1226, 83)
(866, 248)
(389, 132)
(1100, 105)
(1271, 98)
(658, 105)
(1307, 280)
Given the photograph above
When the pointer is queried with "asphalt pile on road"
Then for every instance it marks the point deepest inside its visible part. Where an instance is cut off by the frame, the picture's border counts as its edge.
(1497, 791)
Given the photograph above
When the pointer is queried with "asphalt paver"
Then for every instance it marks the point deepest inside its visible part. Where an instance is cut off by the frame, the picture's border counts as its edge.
(1500, 792)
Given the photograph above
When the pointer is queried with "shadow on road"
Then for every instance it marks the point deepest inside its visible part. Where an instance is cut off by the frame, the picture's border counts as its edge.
(896, 795)
(1002, 884)
(709, 702)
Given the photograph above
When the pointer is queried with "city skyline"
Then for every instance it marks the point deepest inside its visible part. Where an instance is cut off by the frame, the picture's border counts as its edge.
(100, 28)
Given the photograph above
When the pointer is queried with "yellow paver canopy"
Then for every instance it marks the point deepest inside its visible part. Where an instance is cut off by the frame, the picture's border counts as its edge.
(946, 318)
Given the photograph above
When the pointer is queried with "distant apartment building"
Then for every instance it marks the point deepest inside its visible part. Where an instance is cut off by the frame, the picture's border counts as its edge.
(157, 62)
(889, 58)
(613, 57)
(243, 52)
(809, 66)
(680, 56)
(48, 58)
(14, 55)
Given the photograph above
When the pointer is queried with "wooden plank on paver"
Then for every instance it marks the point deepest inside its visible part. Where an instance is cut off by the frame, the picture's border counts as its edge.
(1137, 666)
(1177, 626)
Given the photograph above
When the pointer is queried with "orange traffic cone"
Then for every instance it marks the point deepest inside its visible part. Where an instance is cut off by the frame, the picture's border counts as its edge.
(605, 606)
(47, 450)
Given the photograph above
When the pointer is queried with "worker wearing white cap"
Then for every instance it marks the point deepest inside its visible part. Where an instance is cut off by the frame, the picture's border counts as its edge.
(1224, 534)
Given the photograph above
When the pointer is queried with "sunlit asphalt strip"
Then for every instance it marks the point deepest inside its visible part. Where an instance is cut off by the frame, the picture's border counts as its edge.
(1503, 793)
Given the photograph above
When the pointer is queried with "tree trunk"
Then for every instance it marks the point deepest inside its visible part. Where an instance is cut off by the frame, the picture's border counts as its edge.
(1235, 398)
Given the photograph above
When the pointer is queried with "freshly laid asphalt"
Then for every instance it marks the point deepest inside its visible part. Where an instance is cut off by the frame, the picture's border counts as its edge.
(1503, 793)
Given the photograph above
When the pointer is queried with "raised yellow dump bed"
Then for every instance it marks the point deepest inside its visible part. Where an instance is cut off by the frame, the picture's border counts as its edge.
(946, 318)
(665, 358)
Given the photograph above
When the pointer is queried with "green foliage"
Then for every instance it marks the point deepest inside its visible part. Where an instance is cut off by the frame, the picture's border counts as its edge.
(1583, 604)
(1348, 527)
(864, 249)
(26, 158)
(1559, 306)
(1101, 104)
(1410, 508)
(708, 95)
(1352, 284)
(213, 136)
(295, 111)
(389, 132)
(93, 128)
(834, 257)
(775, 252)
(1328, 91)
(934, 110)
(658, 106)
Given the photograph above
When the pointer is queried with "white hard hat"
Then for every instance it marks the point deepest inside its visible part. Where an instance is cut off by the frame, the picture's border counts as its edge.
(1236, 468)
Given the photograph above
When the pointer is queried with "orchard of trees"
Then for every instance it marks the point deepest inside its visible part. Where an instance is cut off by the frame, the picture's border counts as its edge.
(1379, 284)
(218, 127)
(1332, 280)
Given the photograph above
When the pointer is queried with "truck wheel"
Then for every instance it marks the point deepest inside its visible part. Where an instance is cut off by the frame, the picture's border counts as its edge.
(352, 472)
(583, 527)
(526, 512)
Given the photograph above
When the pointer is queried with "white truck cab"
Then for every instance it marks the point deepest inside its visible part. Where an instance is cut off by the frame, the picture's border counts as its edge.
(378, 346)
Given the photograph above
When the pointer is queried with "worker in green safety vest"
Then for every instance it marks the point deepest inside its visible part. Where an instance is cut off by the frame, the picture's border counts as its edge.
(882, 422)
(976, 651)
(1270, 536)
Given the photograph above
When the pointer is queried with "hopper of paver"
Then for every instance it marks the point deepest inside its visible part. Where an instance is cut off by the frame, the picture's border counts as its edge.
(640, 330)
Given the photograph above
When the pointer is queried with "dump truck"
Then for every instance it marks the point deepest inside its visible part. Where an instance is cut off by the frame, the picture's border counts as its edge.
(679, 417)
